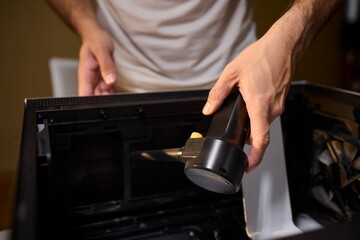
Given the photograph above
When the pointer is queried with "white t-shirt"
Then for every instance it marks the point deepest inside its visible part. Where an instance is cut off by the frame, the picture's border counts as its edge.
(175, 44)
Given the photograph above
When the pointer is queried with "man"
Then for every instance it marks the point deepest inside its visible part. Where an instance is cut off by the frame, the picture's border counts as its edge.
(159, 45)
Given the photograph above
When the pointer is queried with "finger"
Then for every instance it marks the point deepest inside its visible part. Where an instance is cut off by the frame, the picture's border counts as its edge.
(88, 74)
(219, 92)
(87, 88)
(260, 139)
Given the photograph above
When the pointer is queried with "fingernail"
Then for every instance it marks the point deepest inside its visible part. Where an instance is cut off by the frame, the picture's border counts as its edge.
(110, 78)
(207, 109)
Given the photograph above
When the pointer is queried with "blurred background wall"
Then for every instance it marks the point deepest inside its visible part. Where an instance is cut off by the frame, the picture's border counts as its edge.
(31, 33)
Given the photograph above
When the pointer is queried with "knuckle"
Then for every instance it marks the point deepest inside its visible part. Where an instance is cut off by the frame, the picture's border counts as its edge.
(278, 109)
(266, 140)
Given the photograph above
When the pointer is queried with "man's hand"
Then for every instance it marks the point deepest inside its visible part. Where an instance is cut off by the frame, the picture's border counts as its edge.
(262, 72)
(97, 72)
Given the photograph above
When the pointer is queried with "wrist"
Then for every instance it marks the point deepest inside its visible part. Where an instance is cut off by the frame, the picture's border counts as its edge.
(83, 18)
(291, 34)
(296, 29)
(87, 28)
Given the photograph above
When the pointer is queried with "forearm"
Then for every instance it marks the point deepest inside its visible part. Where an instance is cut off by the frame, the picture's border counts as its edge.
(79, 15)
(300, 24)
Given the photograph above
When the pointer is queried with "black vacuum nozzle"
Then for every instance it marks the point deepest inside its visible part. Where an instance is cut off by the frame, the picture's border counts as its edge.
(217, 162)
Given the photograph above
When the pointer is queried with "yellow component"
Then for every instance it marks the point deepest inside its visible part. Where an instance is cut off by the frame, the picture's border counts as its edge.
(196, 135)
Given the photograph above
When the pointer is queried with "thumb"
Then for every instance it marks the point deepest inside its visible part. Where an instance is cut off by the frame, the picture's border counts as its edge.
(218, 94)
(107, 67)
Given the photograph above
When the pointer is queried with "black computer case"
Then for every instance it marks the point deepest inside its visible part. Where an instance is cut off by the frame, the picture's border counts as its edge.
(78, 178)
